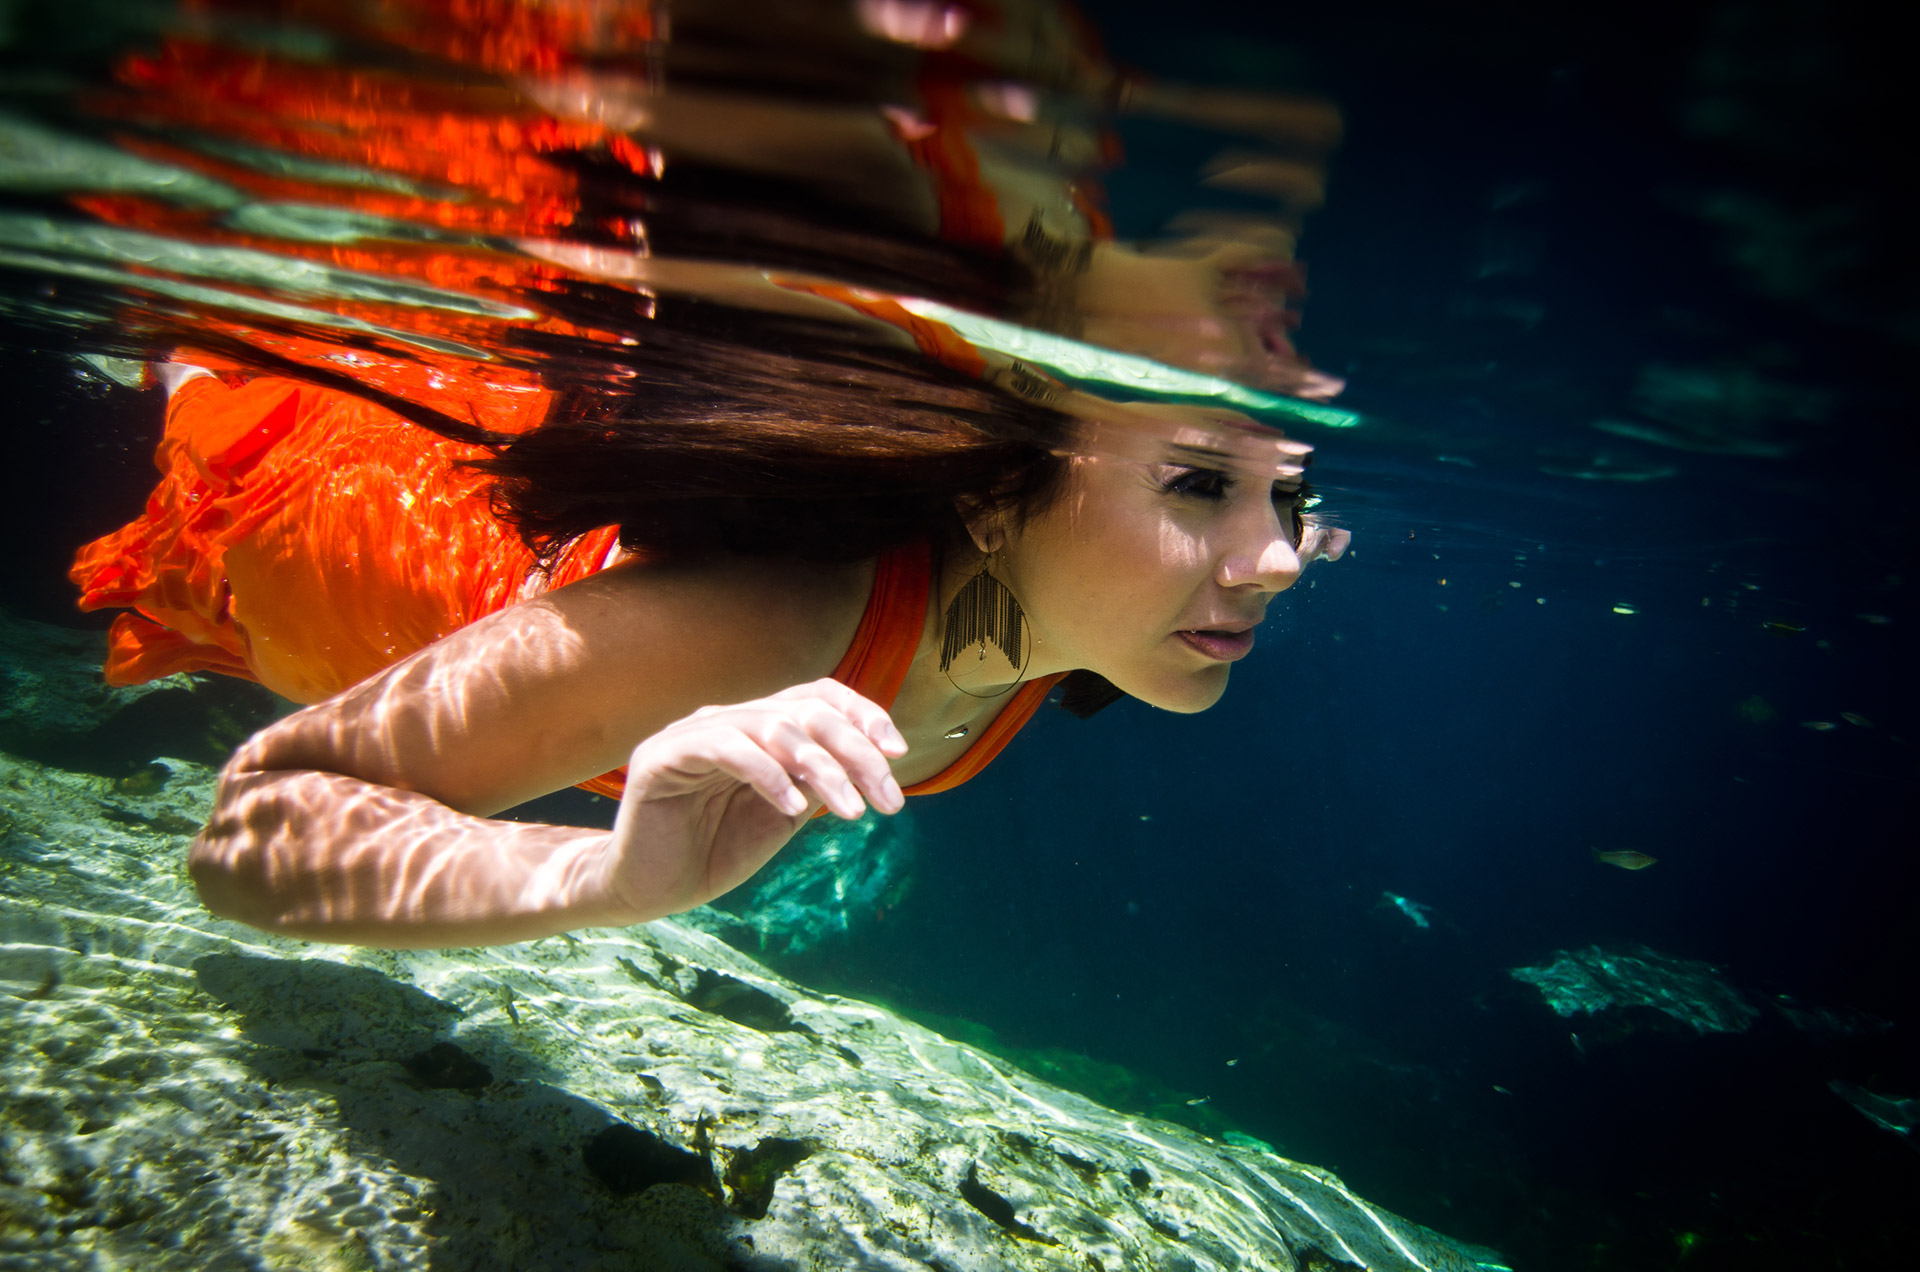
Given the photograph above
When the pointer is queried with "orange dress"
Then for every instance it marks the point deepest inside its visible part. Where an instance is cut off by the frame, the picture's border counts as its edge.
(307, 539)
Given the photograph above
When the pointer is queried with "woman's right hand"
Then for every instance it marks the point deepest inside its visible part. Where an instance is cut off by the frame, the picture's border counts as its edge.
(711, 797)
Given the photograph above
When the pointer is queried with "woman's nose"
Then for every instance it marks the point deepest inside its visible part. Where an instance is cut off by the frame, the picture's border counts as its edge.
(1262, 553)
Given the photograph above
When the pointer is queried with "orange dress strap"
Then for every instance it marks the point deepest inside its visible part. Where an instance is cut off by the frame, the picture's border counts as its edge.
(993, 739)
(877, 661)
(879, 656)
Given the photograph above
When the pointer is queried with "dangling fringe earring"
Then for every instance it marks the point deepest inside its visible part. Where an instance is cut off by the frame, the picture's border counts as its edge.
(985, 612)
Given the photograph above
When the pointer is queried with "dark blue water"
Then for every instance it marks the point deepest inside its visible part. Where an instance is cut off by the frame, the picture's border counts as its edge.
(1513, 237)
(1675, 217)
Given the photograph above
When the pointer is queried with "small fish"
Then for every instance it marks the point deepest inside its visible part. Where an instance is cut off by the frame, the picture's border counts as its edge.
(1860, 720)
(1624, 608)
(1782, 626)
(1502, 1090)
(1819, 726)
(1409, 907)
(1232, 1062)
(1199, 1100)
(1878, 620)
(1578, 1045)
(1625, 858)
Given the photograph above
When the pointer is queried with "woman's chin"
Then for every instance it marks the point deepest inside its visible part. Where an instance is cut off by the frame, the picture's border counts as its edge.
(1188, 695)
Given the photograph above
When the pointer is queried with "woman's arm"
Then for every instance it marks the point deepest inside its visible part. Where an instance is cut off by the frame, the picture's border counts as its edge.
(364, 818)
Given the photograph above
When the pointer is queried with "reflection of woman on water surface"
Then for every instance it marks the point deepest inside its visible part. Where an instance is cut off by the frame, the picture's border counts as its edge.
(823, 553)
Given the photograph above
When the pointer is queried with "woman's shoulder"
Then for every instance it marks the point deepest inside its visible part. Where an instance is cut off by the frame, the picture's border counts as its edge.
(756, 617)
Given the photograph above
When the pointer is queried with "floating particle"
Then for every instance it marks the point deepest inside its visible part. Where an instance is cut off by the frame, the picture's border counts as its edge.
(1878, 620)
(1232, 1062)
(1502, 1090)
(1539, 600)
(1624, 608)
(1823, 644)
(1443, 582)
(1513, 583)
(1751, 587)
(1819, 726)
(1756, 710)
(1781, 626)
(1852, 718)
(1706, 600)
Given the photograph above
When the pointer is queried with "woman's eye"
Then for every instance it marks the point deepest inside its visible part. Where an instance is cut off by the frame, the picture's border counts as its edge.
(1203, 483)
(1292, 508)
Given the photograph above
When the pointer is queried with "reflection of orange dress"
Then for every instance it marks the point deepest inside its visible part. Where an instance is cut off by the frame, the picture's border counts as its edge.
(307, 539)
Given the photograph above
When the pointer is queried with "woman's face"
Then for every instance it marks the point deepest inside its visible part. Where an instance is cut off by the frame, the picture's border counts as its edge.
(1156, 564)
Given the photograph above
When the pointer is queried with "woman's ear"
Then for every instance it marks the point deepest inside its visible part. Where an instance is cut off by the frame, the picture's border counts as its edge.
(983, 528)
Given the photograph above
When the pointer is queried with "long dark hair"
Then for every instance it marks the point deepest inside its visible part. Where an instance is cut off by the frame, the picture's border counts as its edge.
(736, 431)
(733, 431)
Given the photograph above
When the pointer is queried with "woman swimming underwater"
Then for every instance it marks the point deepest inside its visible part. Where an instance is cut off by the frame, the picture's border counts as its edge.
(806, 546)
(847, 573)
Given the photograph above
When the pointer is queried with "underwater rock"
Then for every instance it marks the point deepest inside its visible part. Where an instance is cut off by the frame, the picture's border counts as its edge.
(180, 1092)
(57, 708)
(51, 689)
(1889, 1113)
(1594, 979)
(1826, 1025)
(834, 878)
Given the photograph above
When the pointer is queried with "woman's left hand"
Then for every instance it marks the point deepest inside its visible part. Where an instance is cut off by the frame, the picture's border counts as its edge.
(711, 797)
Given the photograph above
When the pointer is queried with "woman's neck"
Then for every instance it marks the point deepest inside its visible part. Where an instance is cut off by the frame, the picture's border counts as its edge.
(949, 707)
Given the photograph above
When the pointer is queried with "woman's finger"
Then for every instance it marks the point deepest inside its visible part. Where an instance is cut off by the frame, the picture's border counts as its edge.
(727, 750)
(857, 754)
(807, 761)
(825, 739)
(866, 715)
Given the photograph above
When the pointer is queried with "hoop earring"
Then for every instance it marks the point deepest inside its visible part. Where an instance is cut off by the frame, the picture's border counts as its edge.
(985, 612)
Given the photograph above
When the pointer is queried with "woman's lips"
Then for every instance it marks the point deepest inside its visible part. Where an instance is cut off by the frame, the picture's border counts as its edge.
(1224, 646)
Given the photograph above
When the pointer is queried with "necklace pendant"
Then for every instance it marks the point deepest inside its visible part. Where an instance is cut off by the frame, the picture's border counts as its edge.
(957, 731)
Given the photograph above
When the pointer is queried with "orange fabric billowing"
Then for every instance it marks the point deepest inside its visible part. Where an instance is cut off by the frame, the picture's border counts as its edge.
(303, 538)
(308, 539)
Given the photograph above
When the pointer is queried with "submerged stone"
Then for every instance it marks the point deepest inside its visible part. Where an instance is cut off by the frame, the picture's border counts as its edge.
(56, 707)
(1596, 979)
(51, 690)
(834, 879)
(178, 1092)
(1889, 1113)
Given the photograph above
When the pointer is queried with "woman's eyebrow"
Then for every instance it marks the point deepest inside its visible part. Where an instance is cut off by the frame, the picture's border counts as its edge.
(1202, 454)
